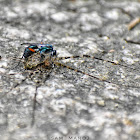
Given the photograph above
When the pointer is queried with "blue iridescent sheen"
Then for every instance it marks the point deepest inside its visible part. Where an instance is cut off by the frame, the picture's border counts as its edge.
(46, 48)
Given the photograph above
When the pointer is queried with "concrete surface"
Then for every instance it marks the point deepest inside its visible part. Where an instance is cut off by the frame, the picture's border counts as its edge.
(70, 105)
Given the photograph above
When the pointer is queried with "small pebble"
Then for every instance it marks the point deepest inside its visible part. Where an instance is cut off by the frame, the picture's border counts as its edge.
(101, 103)
(59, 17)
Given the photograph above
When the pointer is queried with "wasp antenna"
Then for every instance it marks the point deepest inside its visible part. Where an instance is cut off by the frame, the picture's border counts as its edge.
(29, 43)
(25, 43)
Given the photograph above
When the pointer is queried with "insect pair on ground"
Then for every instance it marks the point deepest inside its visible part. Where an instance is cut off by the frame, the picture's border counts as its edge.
(41, 57)
(44, 56)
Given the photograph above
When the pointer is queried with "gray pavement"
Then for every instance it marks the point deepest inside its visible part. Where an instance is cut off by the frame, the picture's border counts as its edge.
(70, 105)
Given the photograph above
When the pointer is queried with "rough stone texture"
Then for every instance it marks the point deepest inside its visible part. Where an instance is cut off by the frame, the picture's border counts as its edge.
(71, 105)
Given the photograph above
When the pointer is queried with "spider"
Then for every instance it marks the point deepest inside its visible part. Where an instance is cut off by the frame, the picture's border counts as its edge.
(42, 57)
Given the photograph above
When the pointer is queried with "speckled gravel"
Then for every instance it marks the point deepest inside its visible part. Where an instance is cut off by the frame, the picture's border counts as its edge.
(70, 105)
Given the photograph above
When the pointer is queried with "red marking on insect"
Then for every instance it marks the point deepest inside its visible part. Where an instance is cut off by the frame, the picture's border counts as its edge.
(31, 49)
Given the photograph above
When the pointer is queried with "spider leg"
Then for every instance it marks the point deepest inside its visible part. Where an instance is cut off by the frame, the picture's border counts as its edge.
(79, 71)
(17, 84)
(100, 79)
(38, 84)
(34, 107)
(131, 41)
(88, 56)
(19, 62)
